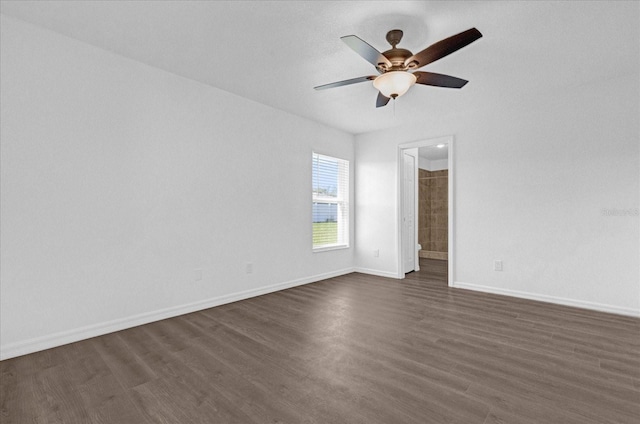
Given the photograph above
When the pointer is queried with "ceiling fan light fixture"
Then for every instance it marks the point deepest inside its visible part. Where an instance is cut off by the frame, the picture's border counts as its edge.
(395, 83)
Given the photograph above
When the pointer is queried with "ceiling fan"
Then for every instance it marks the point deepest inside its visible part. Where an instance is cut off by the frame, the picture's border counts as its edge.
(394, 64)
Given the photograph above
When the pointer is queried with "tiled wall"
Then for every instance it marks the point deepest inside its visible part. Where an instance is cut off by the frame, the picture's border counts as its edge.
(433, 213)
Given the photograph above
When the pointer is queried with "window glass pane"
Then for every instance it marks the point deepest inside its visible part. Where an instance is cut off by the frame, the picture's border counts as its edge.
(325, 212)
(325, 176)
(330, 211)
(325, 224)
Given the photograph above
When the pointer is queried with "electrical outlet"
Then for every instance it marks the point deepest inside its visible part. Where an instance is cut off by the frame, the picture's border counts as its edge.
(376, 253)
(197, 274)
(497, 265)
(248, 267)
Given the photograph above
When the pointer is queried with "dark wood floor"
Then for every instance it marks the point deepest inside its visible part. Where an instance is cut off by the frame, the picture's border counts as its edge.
(431, 271)
(352, 349)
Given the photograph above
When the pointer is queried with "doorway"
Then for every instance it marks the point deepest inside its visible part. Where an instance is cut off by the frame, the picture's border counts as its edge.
(426, 240)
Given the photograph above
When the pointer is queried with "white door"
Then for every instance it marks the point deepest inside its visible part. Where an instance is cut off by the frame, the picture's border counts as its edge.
(408, 213)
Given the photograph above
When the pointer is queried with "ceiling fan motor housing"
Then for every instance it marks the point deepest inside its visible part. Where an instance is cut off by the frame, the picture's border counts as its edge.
(396, 56)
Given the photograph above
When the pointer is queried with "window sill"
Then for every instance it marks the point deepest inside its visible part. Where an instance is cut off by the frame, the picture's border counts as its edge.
(330, 247)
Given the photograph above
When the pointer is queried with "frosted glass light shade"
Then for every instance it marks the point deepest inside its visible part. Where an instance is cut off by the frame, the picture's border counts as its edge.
(394, 84)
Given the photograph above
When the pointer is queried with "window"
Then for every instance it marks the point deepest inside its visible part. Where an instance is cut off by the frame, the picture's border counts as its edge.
(330, 178)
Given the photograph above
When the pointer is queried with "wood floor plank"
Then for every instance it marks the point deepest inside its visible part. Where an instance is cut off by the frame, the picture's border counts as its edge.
(351, 349)
(15, 399)
(55, 400)
(124, 364)
(255, 386)
(514, 408)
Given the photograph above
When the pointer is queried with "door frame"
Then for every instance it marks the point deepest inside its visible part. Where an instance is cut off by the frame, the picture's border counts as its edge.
(451, 201)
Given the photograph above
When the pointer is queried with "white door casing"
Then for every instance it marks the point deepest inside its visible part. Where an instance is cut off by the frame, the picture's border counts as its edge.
(400, 231)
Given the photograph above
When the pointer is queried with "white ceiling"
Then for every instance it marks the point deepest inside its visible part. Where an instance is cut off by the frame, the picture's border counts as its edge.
(276, 52)
(434, 152)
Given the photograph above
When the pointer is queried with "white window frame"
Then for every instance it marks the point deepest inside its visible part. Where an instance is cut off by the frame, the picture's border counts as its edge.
(341, 202)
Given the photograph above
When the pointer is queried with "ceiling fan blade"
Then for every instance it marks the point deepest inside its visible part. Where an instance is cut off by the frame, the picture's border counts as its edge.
(345, 82)
(439, 80)
(364, 49)
(442, 48)
(381, 100)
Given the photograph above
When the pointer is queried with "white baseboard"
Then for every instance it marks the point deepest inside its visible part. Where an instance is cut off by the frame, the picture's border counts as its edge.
(65, 337)
(551, 299)
(376, 272)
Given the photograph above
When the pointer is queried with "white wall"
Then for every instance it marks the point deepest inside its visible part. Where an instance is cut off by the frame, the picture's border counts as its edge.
(531, 184)
(120, 180)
